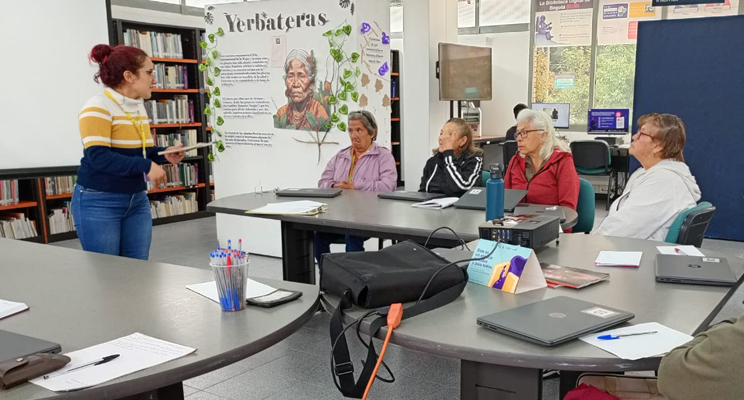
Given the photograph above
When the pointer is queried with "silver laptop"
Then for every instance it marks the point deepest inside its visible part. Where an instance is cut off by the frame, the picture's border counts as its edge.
(554, 321)
(553, 211)
(309, 192)
(13, 345)
(475, 199)
(410, 196)
(694, 270)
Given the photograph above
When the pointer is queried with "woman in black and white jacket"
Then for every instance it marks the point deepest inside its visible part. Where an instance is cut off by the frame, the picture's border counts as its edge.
(456, 165)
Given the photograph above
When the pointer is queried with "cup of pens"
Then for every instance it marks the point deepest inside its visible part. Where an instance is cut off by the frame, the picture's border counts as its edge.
(230, 267)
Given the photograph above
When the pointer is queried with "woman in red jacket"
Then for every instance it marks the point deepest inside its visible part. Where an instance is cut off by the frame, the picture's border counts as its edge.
(543, 166)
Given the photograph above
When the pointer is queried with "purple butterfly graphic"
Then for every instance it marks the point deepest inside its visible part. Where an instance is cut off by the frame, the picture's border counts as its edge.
(366, 27)
(383, 69)
(385, 38)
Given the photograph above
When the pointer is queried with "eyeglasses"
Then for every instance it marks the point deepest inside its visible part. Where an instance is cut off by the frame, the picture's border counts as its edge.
(642, 133)
(523, 134)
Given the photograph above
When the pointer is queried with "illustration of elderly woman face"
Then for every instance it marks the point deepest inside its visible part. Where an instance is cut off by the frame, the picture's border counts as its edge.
(298, 81)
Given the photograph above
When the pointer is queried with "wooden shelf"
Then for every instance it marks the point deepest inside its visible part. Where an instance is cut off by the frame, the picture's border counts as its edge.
(175, 189)
(188, 125)
(395, 74)
(395, 143)
(394, 119)
(209, 129)
(193, 158)
(397, 163)
(211, 184)
(180, 218)
(36, 239)
(22, 204)
(395, 99)
(59, 196)
(174, 60)
(175, 90)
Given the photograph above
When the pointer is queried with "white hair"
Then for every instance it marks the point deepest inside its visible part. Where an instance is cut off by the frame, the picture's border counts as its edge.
(301, 56)
(540, 120)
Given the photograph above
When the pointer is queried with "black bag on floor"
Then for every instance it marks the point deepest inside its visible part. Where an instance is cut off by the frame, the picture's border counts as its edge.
(395, 274)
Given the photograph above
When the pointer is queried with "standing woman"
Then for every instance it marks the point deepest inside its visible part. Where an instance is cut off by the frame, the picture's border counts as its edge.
(109, 204)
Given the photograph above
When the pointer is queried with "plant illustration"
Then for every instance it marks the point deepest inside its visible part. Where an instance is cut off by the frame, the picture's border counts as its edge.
(213, 92)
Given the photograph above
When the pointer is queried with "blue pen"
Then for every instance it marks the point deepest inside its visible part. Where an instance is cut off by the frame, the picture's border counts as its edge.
(613, 337)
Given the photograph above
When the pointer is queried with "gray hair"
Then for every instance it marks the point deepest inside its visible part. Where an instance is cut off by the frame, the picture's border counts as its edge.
(368, 120)
(540, 120)
(301, 56)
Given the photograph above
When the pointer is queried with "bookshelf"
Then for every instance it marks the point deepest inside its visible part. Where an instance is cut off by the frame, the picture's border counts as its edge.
(396, 132)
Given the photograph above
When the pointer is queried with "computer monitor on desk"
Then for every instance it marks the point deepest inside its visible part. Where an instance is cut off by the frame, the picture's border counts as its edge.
(558, 112)
(608, 122)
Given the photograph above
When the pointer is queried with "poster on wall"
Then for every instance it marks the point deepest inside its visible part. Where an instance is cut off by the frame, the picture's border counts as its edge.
(564, 23)
(618, 20)
(295, 69)
(726, 7)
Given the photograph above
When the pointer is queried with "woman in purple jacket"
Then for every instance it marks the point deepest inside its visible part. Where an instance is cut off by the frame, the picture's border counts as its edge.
(362, 166)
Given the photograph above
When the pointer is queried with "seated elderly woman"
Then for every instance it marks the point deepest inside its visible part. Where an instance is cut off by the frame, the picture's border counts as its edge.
(456, 165)
(658, 191)
(362, 166)
(543, 165)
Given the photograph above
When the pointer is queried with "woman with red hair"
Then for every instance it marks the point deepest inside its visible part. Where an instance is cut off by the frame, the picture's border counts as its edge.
(109, 204)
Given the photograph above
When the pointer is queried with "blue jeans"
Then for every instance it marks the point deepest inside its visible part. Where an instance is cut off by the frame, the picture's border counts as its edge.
(113, 223)
(322, 243)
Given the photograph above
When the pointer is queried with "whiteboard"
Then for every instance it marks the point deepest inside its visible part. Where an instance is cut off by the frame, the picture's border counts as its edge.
(47, 79)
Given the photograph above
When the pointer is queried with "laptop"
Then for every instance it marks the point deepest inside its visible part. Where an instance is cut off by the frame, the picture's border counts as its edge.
(475, 199)
(309, 192)
(410, 196)
(694, 270)
(13, 345)
(554, 321)
(553, 211)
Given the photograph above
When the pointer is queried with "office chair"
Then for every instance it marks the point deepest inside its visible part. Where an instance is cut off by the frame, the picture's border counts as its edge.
(690, 225)
(509, 150)
(592, 157)
(585, 208)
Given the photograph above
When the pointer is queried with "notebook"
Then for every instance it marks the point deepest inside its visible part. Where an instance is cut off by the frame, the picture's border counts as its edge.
(13, 345)
(8, 308)
(553, 211)
(694, 270)
(475, 199)
(410, 196)
(300, 207)
(309, 192)
(630, 259)
(437, 204)
(554, 321)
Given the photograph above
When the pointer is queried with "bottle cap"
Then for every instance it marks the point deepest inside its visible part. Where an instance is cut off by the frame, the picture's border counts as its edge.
(496, 171)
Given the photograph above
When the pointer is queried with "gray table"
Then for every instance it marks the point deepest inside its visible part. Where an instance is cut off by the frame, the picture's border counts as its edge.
(494, 364)
(80, 299)
(358, 213)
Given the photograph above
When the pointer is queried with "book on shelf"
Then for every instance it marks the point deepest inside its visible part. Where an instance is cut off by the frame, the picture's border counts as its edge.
(179, 110)
(9, 192)
(57, 185)
(571, 277)
(169, 206)
(60, 219)
(17, 226)
(186, 137)
(171, 76)
(183, 174)
(155, 44)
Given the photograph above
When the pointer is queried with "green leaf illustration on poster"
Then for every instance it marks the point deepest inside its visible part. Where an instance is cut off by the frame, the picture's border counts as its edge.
(328, 33)
(203, 44)
(210, 82)
(342, 96)
(347, 74)
(211, 38)
(355, 96)
(344, 109)
(334, 117)
(220, 121)
(332, 100)
(347, 30)
(354, 57)
(216, 73)
(217, 91)
(202, 67)
(311, 119)
(358, 72)
(341, 126)
(217, 103)
(220, 32)
(207, 111)
(214, 54)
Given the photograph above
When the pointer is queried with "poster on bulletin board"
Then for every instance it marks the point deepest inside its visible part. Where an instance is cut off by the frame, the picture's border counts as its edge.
(617, 22)
(564, 23)
(511, 269)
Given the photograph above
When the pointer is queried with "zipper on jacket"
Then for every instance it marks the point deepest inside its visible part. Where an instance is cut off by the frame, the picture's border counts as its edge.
(538, 173)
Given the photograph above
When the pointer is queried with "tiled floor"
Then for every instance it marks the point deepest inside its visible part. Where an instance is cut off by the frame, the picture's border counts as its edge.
(299, 367)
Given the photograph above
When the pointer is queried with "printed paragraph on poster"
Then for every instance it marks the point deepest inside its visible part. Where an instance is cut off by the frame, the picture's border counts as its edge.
(237, 68)
(256, 139)
(245, 107)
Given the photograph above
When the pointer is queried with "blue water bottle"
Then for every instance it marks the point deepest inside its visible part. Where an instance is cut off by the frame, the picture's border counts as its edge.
(495, 193)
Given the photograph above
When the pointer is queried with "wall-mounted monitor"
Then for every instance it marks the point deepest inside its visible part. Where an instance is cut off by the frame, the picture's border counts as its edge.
(558, 112)
(464, 72)
(608, 121)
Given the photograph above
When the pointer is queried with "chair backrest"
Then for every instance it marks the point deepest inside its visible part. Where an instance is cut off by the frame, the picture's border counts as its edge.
(690, 225)
(509, 150)
(485, 176)
(591, 154)
(585, 207)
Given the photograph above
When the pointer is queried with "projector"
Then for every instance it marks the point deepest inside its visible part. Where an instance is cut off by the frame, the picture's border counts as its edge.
(533, 231)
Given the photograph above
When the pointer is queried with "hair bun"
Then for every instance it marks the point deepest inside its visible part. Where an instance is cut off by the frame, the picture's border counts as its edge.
(100, 52)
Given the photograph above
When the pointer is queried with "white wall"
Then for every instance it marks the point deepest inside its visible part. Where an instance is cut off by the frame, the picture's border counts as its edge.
(511, 74)
(156, 17)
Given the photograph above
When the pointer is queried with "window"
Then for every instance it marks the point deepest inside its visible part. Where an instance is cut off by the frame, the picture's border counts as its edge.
(466, 13)
(504, 12)
(561, 75)
(204, 3)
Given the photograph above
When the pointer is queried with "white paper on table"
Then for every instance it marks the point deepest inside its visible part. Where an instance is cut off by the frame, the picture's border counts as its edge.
(619, 259)
(642, 346)
(252, 289)
(136, 352)
(299, 207)
(8, 308)
(437, 204)
(684, 250)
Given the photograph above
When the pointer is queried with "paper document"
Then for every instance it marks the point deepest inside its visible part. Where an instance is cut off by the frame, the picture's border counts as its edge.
(8, 308)
(301, 207)
(680, 250)
(437, 204)
(135, 353)
(619, 259)
(641, 346)
(252, 289)
(184, 148)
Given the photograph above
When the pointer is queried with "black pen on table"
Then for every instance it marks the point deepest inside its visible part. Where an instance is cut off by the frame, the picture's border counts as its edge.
(100, 361)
